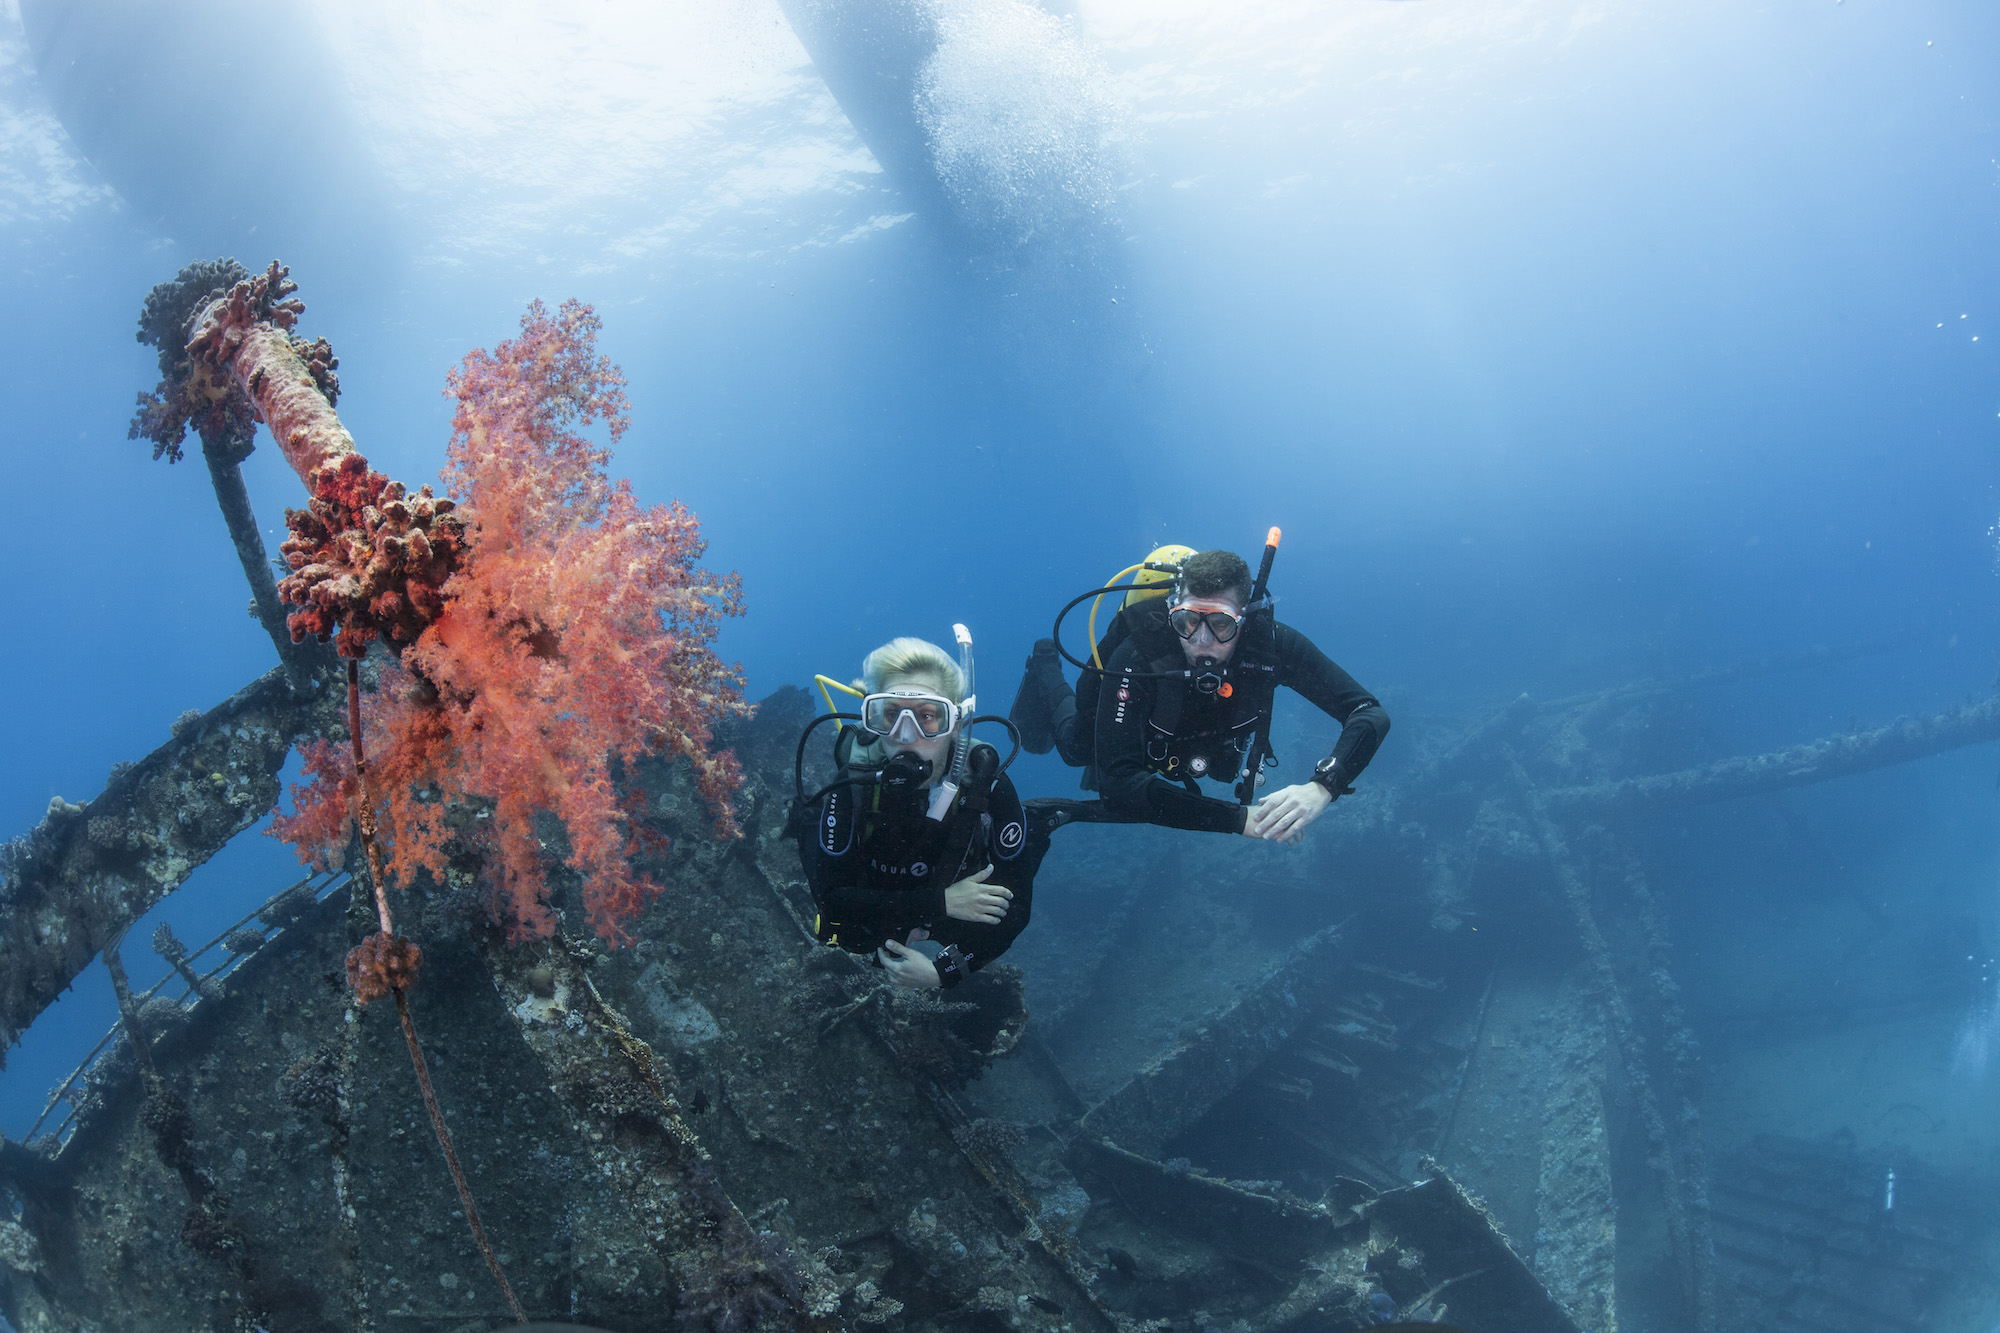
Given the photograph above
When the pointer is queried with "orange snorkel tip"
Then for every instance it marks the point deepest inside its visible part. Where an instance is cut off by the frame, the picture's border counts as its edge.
(1271, 538)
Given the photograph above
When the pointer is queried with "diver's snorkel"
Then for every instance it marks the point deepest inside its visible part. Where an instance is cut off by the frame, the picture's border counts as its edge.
(961, 745)
(1255, 757)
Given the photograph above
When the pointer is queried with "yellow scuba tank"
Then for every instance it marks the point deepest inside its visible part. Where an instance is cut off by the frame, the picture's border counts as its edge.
(1153, 577)
(1157, 573)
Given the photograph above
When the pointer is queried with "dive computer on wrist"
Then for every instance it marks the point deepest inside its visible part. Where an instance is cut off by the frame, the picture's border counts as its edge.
(1327, 774)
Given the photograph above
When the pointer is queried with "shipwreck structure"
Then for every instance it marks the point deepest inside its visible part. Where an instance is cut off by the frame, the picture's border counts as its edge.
(725, 1108)
(1389, 1115)
(1436, 1068)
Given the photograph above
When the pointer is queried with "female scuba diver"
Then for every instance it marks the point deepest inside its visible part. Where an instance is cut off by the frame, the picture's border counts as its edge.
(921, 836)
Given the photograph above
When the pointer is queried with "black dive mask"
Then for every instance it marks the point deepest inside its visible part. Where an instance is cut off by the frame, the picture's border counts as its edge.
(905, 771)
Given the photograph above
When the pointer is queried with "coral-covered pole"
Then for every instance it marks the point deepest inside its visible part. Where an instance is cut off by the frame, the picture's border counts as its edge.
(385, 963)
(193, 393)
(366, 811)
(451, 1160)
(572, 637)
(248, 332)
(368, 559)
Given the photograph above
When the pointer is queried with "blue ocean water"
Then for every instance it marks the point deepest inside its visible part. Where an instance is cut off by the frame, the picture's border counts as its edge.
(1569, 342)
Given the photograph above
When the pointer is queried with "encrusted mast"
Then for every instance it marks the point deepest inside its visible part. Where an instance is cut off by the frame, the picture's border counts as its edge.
(369, 560)
(247, 331)
(192, 393)
(357, 573)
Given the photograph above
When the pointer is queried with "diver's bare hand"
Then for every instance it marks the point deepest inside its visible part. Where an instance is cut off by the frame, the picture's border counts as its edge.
(907, 967)
(1284, 815)
(973, 899)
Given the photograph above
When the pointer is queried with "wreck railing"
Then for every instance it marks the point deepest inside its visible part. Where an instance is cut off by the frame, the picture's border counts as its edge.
(75, 1091)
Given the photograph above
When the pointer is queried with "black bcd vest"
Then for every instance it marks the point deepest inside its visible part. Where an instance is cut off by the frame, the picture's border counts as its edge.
(1177, 747)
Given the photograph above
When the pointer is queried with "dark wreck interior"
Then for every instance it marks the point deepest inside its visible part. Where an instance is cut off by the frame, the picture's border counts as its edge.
(1436, 1067)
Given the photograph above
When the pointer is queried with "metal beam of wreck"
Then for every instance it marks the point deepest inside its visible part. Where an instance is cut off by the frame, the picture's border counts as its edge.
(1904, 740)
(87, 872)
(1186, 1081)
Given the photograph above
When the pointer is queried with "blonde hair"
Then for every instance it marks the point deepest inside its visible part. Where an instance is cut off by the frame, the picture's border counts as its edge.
(901, 659)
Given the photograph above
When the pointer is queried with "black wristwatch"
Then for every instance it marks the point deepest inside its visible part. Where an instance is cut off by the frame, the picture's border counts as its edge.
(1327, 774)
(952, 966)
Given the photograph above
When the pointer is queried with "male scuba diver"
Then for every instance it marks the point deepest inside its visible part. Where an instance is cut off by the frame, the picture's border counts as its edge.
(921, 836)
(1180, 688)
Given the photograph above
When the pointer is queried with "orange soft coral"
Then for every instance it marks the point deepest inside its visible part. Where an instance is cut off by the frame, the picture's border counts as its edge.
(381, 965)
(324, 803)
(575, 637)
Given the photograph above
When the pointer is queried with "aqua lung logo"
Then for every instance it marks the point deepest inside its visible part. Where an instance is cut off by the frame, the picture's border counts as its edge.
(1010, 837)
(919, 869)
(830, 826)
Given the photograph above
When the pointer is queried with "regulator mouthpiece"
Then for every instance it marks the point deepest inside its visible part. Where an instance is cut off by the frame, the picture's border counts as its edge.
(906, 769)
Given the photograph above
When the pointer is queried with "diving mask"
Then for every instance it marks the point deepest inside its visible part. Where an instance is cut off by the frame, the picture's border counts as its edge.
(1187, 623)
(909, 716)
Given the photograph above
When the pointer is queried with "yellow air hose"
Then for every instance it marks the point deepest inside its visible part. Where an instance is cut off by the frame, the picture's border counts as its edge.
(827, 685)
(1099, 601)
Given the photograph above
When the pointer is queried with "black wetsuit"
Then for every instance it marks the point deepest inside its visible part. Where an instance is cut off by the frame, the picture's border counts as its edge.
(873, 860)
(1148, 750)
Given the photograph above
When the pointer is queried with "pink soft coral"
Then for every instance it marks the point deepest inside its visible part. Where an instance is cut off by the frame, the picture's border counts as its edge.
(324, 804)
(576, 636)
